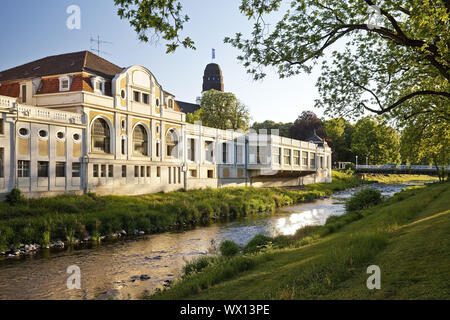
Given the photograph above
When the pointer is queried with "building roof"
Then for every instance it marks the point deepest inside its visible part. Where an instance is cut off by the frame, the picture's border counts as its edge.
(62, 64)
(187, 107)
(213, 78)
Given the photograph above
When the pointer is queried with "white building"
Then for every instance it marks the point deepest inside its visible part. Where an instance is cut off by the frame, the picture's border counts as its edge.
(76, 123)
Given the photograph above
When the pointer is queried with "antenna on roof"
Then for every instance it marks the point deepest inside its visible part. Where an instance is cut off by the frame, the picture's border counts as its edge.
(99, 42)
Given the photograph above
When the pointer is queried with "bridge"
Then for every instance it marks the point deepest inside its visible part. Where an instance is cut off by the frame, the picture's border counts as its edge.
(399, 169)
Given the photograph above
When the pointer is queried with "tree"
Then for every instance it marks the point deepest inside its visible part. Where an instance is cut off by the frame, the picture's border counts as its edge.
(153, 20)
(401, 58)
(223, 110)
(372, 138)
(340, 132)
(426, 140)
(283, 128)
(194, 117)
(397, 52)
(305, 125)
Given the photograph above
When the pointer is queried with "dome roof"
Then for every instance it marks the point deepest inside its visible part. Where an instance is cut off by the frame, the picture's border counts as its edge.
(212, 78)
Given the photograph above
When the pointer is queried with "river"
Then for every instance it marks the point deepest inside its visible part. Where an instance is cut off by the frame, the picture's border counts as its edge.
(113, 270)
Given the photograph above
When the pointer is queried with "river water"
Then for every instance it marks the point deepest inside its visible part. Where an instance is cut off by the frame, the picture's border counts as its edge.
(108, 270)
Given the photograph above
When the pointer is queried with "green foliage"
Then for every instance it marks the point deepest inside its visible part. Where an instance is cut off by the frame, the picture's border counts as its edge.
(315, 265)
(426, 140)
(199, 264)
(403, 60)
(257, 243)
(194, 117)
(68, 217)
(224, 111)
(372, 138)
(340, 134)
(363, 199)
(15, 197)
(283, 128)
(154, 19)
(229, 248)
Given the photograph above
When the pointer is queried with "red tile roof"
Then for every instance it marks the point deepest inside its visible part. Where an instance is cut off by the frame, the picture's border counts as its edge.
(83, 61)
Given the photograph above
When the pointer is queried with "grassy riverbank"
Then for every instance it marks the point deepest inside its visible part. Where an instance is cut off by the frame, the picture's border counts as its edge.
(406, 236)
(399, 178)
(68, 218)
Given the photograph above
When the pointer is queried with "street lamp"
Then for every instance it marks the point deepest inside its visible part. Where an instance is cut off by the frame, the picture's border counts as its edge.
(367, 161)
(356, 161)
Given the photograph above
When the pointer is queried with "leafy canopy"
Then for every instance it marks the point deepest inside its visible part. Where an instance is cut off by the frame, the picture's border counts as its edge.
(394, 54)
(221, 110)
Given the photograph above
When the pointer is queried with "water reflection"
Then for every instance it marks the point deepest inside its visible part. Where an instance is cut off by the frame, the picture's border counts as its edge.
(107, 271)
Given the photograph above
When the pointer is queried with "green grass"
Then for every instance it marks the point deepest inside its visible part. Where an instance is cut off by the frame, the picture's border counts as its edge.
(398, 178)
(407, 236)
(68, 217)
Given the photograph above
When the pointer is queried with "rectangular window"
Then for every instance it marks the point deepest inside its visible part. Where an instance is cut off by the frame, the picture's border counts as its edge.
(60, 169)
(239, 154)
(174, 174)
(145, 98)
(2, 159)
(111, 171)
(137, 96)
(103, 173)
(170, 174)
(24, 94)
(276, 155)
(287, 156)
(157, 149)
(149, 171)
(123, 146)
(224, 152)
(124, 171)
(191, 149)
(95, 170)
(305, 158)
(209, 151)
(23, 168)
(76, 170)
(297, 157)
(43, 169)
(193, 173)
(136, 171)
(210, 174)
(65, 85)
(312, 160)
(158, 172)
(179, 175)
(2, 127)
(142, 171)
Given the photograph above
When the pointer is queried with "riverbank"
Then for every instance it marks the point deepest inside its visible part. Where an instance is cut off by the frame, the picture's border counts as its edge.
(400, 178)
(72, 220)
(406, 236)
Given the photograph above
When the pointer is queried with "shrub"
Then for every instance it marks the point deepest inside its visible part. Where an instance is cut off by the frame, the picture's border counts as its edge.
(363, 199)
(15, 197)
(199, 264)
(257, 243)
(229, 248)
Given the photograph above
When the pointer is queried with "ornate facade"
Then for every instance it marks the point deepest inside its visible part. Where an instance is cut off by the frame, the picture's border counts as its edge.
(77, 123)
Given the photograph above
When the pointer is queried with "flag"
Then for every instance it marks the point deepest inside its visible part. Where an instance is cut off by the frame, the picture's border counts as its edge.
(213, 53)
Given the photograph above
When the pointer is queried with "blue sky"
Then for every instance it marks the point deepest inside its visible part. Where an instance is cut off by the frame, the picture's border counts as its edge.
(35, 29)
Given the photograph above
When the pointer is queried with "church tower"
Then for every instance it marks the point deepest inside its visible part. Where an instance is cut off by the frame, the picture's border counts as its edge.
(212, 78)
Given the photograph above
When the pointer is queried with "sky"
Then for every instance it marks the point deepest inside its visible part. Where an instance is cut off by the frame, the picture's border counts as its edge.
(35, 29)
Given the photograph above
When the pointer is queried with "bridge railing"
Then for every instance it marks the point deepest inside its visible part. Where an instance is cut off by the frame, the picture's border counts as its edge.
(399, 167)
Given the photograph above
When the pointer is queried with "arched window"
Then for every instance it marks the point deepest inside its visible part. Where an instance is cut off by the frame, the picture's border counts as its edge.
(100, 136)
(172, 143)
(140, 140)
